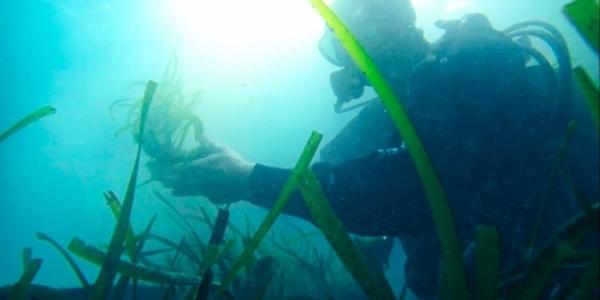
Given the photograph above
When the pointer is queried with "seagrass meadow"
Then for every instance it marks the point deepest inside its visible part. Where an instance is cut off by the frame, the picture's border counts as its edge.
(137, 241)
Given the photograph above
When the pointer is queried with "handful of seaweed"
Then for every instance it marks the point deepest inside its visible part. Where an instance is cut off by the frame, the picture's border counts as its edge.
(168, 138)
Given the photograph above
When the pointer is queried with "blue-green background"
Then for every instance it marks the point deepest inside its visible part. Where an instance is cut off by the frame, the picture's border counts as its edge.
(265, 88)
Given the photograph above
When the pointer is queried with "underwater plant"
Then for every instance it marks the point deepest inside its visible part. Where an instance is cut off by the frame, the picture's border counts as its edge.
(303, 162)
(105, 279)
(371, 279)
(27, 120)
(80, 276)
(20, 290)
(590, 93)
(488, 261)
(583, 14)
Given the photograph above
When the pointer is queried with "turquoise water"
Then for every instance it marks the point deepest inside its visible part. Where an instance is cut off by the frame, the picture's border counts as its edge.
(265, 87)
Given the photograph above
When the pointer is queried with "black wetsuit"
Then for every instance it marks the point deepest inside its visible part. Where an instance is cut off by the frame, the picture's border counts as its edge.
(492, 134)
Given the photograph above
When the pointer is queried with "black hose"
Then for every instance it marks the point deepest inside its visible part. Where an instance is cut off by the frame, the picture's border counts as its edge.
(547, 26)
(564, 105)
(546, 67)
(559, 49)
(557, 43)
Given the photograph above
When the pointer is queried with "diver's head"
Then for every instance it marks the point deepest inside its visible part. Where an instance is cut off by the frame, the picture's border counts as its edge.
(377, 24)
(386, 29)
(375, 15)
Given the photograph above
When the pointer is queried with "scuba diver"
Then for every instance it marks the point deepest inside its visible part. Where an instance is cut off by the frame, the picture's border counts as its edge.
(491, 112)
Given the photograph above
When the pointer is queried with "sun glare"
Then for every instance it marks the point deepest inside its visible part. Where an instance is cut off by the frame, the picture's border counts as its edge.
(242, 23)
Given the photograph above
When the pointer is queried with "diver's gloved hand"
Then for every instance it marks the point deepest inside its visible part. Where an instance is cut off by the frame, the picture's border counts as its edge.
(222, 177)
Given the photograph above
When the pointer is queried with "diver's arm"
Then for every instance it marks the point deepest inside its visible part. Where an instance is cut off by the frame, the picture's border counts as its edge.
(376, 195)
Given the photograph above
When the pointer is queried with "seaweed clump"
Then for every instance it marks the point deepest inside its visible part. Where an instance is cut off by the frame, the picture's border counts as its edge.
(174, 133)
